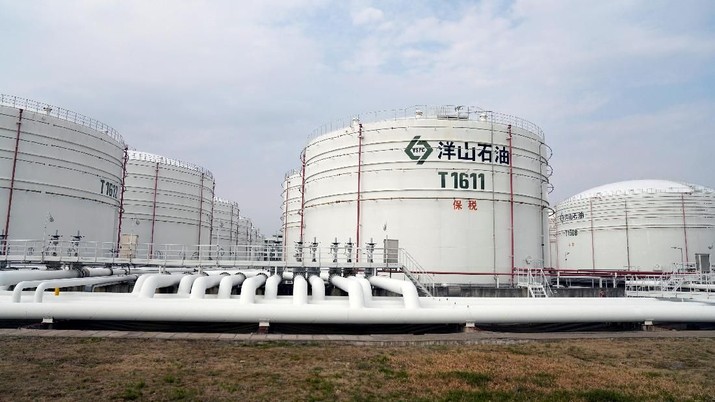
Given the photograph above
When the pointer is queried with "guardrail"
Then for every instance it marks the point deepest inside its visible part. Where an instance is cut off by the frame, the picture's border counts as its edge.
(60, 113)
(456, 112)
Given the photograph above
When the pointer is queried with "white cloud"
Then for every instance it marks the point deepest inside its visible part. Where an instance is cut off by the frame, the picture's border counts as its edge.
(223, 84)
(367, 16)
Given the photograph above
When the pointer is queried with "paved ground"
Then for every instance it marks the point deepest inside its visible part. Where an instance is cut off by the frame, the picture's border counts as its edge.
(479, 337)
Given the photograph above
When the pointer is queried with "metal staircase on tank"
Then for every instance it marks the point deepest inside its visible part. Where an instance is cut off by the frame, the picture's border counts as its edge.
(535, 281)
(414, 272)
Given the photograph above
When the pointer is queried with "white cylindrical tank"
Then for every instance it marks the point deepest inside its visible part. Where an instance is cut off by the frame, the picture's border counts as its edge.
(167, 201)
(460, 189)
(225, 223)
(639, 225)
(60, 172)
(290, 217)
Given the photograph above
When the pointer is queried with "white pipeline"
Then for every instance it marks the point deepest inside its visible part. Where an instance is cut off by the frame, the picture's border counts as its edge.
(317, 287)
(156, 281)
(405, 288)
(271, 288)
(186, 283)
(486, 311)
(300, 290)
(198, 290)
(353, 289)
(228, 283)
(249, 287)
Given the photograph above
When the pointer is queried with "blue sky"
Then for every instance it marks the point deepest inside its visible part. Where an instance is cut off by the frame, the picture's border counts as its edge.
(622, 89)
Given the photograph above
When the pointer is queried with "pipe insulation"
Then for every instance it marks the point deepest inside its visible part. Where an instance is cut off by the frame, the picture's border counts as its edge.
(228, 283)
(249, 287)
(317, 287)
(271, 288)
(300, 290)
(198, 289)
(186, 283)
(405, 288)
(156, 281)
(353, 288)
(487, 311)
(42, 285)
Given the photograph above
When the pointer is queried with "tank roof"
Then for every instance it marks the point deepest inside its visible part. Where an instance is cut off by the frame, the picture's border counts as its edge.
(641, 186)
(146, 156)
(224, 201)
(443, 112)
(60, 113)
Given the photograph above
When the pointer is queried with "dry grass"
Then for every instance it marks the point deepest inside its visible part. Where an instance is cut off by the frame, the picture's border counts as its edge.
(584, 370)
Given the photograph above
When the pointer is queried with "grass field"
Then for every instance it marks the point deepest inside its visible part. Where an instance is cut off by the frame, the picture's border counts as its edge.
(34, 368)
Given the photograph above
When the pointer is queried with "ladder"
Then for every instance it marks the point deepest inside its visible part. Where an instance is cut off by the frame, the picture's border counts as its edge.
(537, 290)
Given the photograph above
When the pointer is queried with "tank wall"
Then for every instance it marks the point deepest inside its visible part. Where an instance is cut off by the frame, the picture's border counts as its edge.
(654, 236)
(451, 213)
(290, 216)
(184, 199)
(64, 170)
(225, 223)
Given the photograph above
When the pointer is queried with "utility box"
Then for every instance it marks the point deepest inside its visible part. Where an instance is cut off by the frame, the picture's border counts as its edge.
(391, 250)
(128, 245)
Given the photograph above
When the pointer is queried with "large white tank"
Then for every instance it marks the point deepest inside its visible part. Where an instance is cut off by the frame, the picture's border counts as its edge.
(460, 189)
(290, 217)
(60, 172)
(639, 225)
(167, 201)
(225, 223)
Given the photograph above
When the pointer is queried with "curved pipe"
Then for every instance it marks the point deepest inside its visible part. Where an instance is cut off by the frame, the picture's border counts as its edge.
(155, 281)
(186, 283)
(272, 283)
(249, 287)
(10, 278)
(64, 283)
(317, 286)
(198, 290)
(366, 288)
(300, 290)
(405, 288)
(227, 284)
(42, 285)
(353, 288)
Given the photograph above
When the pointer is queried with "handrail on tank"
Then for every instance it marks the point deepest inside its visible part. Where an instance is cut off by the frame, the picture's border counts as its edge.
(60, 113)
(149, 157)
(455, 112)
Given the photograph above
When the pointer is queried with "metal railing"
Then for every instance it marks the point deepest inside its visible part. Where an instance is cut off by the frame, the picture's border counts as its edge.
(345, 258)
(60, 113)
(424, 111)
(684, 282)
(535, 280)
(148, 157)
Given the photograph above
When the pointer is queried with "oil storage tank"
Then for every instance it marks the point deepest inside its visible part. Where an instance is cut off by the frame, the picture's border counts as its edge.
(166, 201)
(60, 172)
(225, 223)
(461, 189)
(638, 225)
(291, 218)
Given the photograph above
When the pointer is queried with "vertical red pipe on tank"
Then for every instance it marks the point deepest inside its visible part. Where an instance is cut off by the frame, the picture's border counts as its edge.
(12, 180)
(593, 248)
(628, 240)
(213, 203)
(121, 198)
(302, 194)
(285, 214)
(359, 176)
(511, 199)
(153, 209)
(685, 231)
(201, 206)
